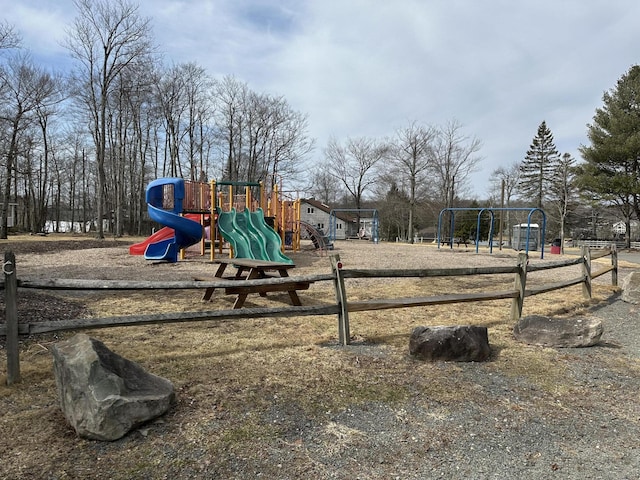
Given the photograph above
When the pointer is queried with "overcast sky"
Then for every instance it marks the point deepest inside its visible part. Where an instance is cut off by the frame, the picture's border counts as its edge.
(367, 68)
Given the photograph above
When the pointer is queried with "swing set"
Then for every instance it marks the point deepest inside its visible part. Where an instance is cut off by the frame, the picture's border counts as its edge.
(529, 226)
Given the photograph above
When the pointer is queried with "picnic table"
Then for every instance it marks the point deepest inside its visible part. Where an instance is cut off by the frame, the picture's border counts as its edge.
(250, 269)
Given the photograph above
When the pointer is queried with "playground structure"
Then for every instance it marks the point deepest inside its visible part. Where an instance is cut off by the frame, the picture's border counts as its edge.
(524, 240)
(256, 225)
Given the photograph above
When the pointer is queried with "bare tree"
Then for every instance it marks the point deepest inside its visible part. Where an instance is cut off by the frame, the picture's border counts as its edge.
(285, 140)
(107, 38)
(171, 100)
(52, 94)
(456, 157)
(323, 186)
(198, 95)
(412, 155)
(231, 96)
(354, 164)
(261, 136)
(8, 37)
(564, 191)
(28, 93)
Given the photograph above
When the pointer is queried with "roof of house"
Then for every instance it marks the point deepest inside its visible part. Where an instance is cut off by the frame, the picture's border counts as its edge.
(345, 217)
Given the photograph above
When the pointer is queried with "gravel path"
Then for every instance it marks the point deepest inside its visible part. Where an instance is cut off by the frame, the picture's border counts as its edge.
(515, 431)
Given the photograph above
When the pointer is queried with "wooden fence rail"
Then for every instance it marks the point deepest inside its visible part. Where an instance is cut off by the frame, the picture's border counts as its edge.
(342, 306)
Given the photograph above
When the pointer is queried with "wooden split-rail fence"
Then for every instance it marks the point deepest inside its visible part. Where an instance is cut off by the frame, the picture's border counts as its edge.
(342, 307)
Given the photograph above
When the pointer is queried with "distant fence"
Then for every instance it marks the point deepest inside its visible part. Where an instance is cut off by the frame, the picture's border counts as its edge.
(342, 306)
(604, 244)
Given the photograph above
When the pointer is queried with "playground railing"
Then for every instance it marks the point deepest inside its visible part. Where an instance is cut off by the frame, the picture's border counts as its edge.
(342, 306)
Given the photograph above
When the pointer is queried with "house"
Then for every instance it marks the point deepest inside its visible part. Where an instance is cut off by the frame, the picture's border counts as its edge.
(318, 215)
(619, 229)
(340, 224)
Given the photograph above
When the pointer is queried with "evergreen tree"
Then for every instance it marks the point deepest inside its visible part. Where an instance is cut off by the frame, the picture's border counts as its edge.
(536, 170)
(612, 162)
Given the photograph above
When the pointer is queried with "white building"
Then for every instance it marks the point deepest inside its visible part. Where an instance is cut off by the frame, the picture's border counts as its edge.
(340, 224)
(619, 228)
(317, 214)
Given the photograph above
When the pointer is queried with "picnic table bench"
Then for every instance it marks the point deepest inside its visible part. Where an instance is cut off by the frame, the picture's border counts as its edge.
(250, 269)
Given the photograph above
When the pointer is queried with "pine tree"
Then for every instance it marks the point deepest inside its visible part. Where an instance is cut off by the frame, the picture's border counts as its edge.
(611, 171)
(536, 170)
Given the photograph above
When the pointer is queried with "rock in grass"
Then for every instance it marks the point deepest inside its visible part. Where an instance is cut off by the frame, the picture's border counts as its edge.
(103, 395)
(558, 332)
(462, 343)
(631, 288)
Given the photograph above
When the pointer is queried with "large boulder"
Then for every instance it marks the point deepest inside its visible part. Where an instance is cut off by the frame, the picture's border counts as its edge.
(558, 332)
(103, 395)
(631, 288)
(461, 343)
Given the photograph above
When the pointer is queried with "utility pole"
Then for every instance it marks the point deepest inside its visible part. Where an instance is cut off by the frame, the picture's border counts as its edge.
(501, 212)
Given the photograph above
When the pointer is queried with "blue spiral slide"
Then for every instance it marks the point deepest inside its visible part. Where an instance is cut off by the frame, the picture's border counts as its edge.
(186, 232)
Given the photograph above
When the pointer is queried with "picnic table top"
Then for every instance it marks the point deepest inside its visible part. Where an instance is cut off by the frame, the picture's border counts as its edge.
(253, 263)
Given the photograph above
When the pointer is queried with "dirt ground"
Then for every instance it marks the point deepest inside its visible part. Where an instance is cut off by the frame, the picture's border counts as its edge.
(264, 398)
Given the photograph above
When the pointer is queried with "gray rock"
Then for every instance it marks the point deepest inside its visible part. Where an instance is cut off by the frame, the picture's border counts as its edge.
(462, 343)
(558, 332)
(103, 395)
(631, 288)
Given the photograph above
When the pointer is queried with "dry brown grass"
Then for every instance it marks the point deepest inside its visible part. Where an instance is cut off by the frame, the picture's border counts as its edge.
(257, 387)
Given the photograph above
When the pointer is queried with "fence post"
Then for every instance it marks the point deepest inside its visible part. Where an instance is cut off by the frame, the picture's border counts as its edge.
(520, 285)
(586, 270)
(614, 264)
(344, 335)
(11, 317)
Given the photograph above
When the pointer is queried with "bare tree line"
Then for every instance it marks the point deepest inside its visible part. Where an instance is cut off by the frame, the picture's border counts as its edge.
(82, 146)
(419, 170)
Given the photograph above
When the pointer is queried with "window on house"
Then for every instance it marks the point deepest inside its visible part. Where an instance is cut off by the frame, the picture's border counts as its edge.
(310, 210)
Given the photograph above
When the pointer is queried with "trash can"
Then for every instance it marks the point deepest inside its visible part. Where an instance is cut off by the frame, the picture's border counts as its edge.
(555, 246)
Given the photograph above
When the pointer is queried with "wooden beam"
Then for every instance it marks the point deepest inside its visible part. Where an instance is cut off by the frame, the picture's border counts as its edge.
(610, 268)
(179, 317)
(552, 265)
(554, 286)
(87, 284)
(431, 272)
(386, 304)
